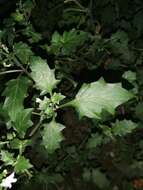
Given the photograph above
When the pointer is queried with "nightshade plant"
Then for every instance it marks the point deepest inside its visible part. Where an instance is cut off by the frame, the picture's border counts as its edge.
(31, 99)
(90, 101)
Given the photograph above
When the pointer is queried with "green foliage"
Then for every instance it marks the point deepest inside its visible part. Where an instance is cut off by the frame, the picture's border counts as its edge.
(52, 54)
(43, 76)
(22, 164)
(23, 52)
(98, 177)
(15, 93)
(94, 141)
(95, 97)
(67, 43)
(121, 128)
(7, 157)
(52, 136)
(130, 76)
(23, 121)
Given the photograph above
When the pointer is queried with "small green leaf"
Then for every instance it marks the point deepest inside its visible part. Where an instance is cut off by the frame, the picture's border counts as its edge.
(121, 128)
(52, 136)
(130, 76)
(7, 157)
(57, 97)
(23, 52)
(19, 144)
(43, 76)
(94, 141)
(22, 121)
(22, 165)
(15, 93)
(95, 97)
(100, 179)
(17, 16)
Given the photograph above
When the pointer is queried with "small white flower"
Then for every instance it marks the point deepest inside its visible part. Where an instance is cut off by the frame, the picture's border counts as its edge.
(7, 182)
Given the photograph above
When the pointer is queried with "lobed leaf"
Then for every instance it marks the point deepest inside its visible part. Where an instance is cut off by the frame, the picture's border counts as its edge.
(15, 93)
(95, 97)
(43, 76)
(121, 128)
(52, 136)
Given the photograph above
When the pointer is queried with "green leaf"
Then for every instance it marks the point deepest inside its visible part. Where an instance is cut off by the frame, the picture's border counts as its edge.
(7, 157)
(129, 76)
(139, 111)
(68, 42)
(94, 141)
(124, 127)
(22, 165)
(23, 52)
(95, 97)
(100, 179)
(52, 136)
(19, 144)
(23, 121)
(31, 34)
(57, 97)
(15, 93)
(43, 76)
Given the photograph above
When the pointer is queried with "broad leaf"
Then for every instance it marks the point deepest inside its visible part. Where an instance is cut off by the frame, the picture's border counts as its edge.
(22, 121)
(95, 97)
(43, 76)
(121, 128)
(15, 93)
(22, 165)
(52, 136)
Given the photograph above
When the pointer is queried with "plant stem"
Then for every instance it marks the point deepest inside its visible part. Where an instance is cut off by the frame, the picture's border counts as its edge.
(76, 2)
(66, 104)
(76, 10)
(35, 128)
(18, 63)
(11, 71)
(35, 113)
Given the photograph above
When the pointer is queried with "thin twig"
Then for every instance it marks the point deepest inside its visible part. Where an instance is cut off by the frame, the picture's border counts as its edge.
(11, 71)
(35, 129)
(35, 113)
